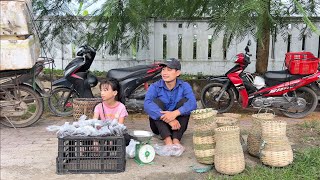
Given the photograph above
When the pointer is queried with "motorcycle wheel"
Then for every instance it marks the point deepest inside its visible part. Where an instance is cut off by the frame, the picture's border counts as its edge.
(60, 103)
(29, 104)
(211, 91)
(311, 98)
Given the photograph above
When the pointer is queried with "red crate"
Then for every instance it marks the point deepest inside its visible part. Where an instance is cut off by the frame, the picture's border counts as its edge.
(301, 63)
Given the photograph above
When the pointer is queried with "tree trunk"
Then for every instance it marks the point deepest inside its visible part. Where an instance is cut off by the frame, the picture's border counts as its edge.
(263, 46)
(263, 53)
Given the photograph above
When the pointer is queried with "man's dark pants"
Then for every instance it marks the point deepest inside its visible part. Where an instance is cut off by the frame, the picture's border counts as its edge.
(163, 128)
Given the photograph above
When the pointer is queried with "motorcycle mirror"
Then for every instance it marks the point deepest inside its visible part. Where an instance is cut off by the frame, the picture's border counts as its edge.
(249, 43)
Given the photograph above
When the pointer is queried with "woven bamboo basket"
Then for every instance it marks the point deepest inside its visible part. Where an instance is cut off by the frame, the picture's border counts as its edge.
(276, 150)
(226, 121)
(204, 147)
(203, 135)
(254, 137)
(263, 116)
(273, 129)
(204, 142)
(203, 116)
(233, 115)
(253, 144)
(229, 157)
(277, 158)
(84, 106)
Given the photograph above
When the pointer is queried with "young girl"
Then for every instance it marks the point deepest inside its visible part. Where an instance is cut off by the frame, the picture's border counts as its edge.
(110, 108)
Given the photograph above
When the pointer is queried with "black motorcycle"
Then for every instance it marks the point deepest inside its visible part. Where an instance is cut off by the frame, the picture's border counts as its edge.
(21, 96)
(78, 81)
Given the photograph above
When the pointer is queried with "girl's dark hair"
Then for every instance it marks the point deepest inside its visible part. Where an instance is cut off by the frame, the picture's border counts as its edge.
(115, 86)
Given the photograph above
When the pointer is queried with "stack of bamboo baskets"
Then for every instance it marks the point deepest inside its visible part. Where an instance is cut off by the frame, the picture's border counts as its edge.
(254, 137)
(19, 47)
(216, 141)
(268, 141)
(203, 135)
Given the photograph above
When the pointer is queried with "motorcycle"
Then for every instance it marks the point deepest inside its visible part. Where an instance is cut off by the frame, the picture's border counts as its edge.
(21, 95)
(293, 94)
(78, 81)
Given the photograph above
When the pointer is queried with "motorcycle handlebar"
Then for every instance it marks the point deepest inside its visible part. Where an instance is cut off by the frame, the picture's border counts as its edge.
(85, 49)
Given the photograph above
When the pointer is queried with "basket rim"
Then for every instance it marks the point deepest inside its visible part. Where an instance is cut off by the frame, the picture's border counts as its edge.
(87, 99)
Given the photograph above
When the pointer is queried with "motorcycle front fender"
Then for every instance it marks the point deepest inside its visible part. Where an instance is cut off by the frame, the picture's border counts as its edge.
(224, 80)
(35, 87)
(220, 79)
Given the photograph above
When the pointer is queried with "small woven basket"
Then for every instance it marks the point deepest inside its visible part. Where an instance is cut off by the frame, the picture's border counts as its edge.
(84, 106)
(229, 157)
(254, 137)
(226, 121)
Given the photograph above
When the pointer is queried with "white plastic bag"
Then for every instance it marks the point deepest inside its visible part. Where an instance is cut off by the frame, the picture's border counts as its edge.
(169, 150)
(131, 148)
(259, 82)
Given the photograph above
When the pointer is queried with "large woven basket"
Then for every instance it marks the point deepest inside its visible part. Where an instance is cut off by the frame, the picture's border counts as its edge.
(203, 135)
(229, 157)
(254, 137)
(276, 150)
(84, 106)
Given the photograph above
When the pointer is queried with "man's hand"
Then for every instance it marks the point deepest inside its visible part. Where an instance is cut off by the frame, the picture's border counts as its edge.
(169, 116)
(175, 125)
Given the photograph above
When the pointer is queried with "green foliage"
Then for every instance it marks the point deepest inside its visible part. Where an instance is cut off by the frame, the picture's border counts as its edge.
(99, 73)
(117, 23)
(306, 165)
(55, 72)
(59, 72)
(187, 76)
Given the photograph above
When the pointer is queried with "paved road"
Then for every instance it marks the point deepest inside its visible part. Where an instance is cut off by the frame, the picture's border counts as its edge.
(30, 153)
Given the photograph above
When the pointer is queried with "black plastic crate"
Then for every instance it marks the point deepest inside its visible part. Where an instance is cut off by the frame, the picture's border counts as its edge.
(91, 155)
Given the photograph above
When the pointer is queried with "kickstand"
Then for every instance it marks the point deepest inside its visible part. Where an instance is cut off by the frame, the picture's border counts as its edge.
(10, 122)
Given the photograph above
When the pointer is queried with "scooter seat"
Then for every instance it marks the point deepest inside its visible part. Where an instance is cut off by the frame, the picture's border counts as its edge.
(125, 73)
(281, 76)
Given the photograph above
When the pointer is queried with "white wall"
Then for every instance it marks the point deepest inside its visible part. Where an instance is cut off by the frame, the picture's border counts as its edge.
(217, 65)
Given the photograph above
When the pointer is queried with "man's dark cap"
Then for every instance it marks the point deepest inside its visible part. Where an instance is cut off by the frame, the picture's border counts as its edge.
(172, 63)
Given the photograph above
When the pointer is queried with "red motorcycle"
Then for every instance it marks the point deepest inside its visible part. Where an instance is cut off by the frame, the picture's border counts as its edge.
(291, 91)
